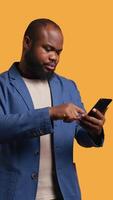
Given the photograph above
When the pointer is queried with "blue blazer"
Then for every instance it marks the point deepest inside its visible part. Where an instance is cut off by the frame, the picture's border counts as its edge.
(20, 128)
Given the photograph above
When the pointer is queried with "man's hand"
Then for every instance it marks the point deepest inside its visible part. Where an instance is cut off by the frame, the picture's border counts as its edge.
(93, 124)
(67, 112)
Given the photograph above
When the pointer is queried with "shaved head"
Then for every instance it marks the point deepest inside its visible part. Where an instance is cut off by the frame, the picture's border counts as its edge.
(36, 25)
(42, 46)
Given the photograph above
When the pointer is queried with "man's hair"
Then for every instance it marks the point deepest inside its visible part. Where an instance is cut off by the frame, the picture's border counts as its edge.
(37, 24)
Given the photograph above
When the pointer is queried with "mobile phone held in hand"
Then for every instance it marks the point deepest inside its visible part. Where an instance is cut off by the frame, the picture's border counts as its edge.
(101, 105)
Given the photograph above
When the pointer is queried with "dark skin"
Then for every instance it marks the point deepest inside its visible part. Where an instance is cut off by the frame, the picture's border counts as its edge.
(45, 54)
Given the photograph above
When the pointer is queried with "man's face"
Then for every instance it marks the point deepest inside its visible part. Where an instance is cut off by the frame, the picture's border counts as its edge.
(43, 56)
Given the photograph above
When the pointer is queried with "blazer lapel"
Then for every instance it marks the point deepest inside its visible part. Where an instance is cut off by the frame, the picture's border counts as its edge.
(17, 81)
(56, 91)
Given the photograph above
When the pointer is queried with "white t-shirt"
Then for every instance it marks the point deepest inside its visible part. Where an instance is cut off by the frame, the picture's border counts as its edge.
(41, 97)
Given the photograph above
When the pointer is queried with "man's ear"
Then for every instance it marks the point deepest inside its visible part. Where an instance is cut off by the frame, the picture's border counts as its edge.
(27, 43)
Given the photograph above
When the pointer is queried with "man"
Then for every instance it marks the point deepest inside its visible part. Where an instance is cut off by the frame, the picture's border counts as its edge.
(40, 115)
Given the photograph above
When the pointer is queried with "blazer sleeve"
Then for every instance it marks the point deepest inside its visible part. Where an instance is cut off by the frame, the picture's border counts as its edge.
(83, 137)
(29, 124)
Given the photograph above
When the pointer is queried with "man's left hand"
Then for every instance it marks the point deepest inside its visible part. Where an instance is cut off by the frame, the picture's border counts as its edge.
(95, 124)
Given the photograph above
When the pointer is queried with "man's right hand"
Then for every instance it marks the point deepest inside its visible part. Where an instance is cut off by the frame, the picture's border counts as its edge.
(67, 112)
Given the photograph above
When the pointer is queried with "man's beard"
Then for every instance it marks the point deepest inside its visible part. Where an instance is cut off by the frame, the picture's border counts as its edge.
(35, 69)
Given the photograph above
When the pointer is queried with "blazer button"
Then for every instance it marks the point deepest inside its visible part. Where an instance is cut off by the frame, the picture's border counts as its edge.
(36, 152)
(41, 132)
(34, 176)
(34, 134)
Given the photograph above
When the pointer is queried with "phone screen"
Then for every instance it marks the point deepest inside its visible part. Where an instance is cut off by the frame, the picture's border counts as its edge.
(101, 105)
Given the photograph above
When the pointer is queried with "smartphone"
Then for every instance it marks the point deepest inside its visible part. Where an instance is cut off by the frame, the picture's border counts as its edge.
(101, 105)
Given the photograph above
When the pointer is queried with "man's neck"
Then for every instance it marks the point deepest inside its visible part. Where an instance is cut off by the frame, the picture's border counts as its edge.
(23, 70)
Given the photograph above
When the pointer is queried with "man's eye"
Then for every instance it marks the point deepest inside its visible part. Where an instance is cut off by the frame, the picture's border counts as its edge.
(58, 53)
(48, 49)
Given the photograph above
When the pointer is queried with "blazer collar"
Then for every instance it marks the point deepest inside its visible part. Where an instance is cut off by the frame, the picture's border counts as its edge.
(17, 81)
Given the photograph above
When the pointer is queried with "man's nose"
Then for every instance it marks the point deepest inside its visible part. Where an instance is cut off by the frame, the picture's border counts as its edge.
(53, 56)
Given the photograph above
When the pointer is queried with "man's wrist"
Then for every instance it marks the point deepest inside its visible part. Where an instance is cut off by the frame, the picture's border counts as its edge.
(51, 112)
(97, 138)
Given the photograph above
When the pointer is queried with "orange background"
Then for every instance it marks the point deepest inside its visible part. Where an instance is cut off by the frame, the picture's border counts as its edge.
(87, 59)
